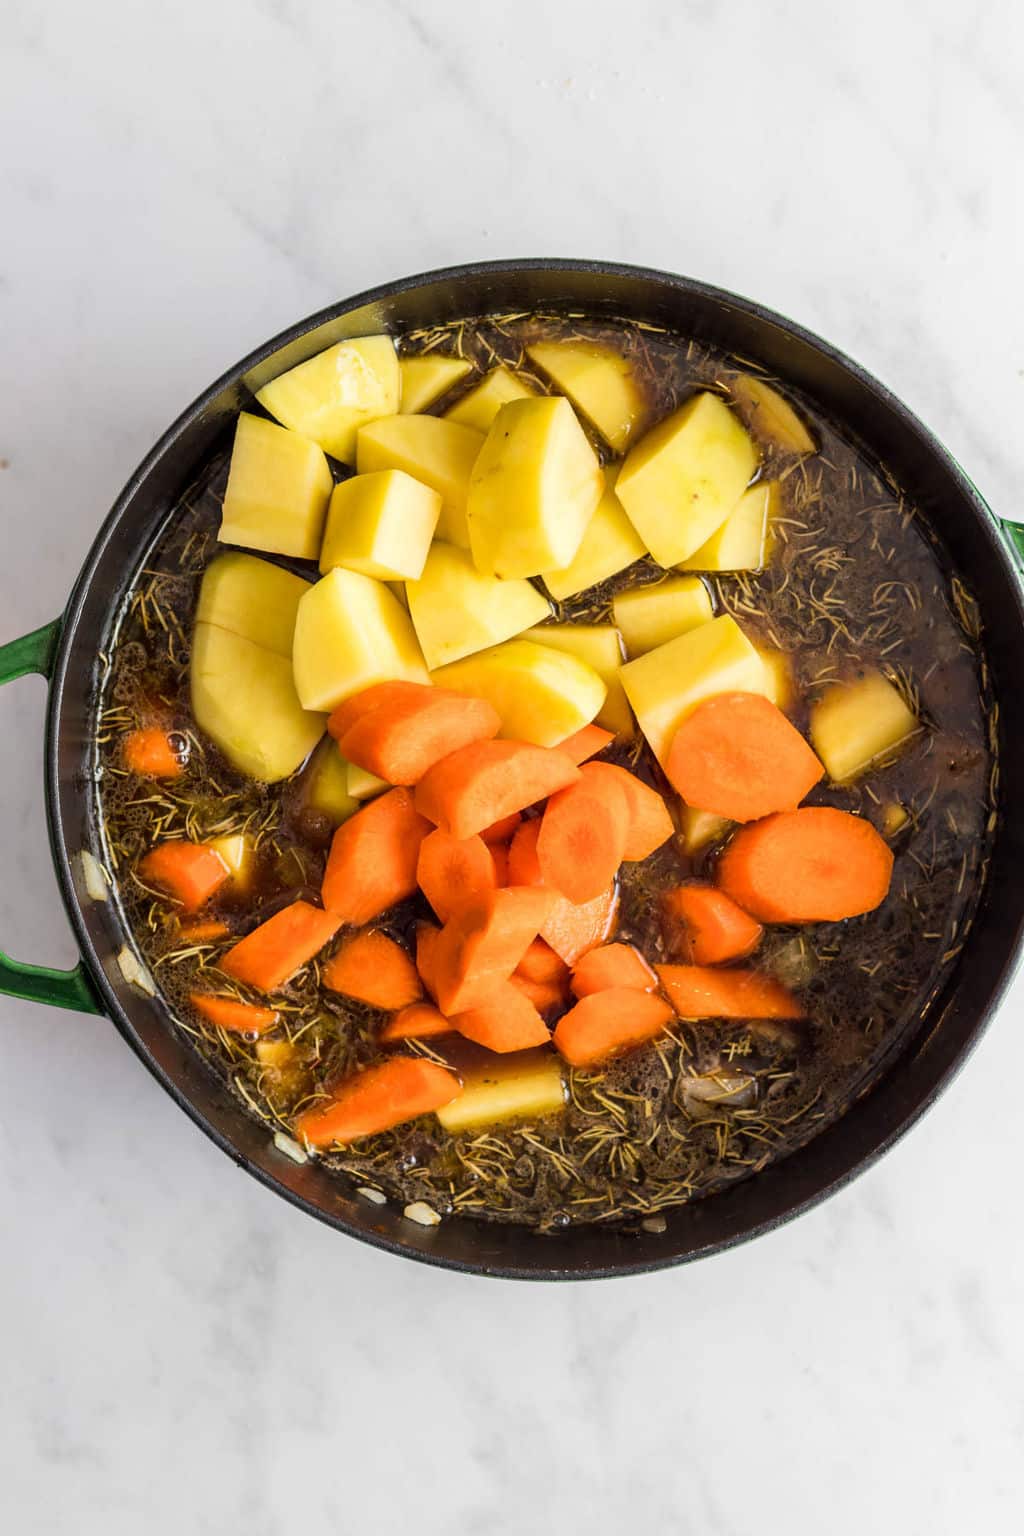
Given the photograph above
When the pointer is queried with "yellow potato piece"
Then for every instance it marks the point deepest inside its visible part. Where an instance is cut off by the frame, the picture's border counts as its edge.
(854, 723)
(253, 598)
(666, 684)
(778, 676)
(740, 544)
(541, 694)
(685, 476)
(649, 616)
(599, 381)
(607, 547)
(330, 396)
(380, 524)
(350, 632)
(440, 453)
(426, 379)
(238, 853)
(244, 700)
(326, 787)
(533, 490)
(277, 491)
(600, 646)
(525, 1086)
(894, 818)
(479, 406)
(362, 784)
(699, 828)
(769, 416)
(456, 610)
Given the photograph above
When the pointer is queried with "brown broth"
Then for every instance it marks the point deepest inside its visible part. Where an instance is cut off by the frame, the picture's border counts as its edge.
(855, 578)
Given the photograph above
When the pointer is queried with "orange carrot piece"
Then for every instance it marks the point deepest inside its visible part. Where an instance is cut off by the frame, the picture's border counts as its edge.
(373, 969)
(545, 996)
(270, 955)
(208, 932)
(189, 872)
(523, 863)
(376, 1099)
(149, 751)
(612, 965)
(234, 1016)
(706, 926)
(738, 756)
(481, 783)
(345, 715)
(608, 1023)
(507, 1021)
(650, 824)
(501, 830)
(417, 1021)
(585, 743)
(452, 871)
(499, 858)
(705, 992)
(812, 865)
(399, 742)
(540, 963)
(572, 930)
(482, 945)
(372, 863)
(583, 837)
(427, 939)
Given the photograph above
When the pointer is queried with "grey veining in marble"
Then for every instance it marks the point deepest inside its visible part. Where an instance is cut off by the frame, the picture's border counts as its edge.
(181, 1351)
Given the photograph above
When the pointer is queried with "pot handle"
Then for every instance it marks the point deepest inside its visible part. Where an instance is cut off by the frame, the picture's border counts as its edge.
(39, 983)
(1014, 535)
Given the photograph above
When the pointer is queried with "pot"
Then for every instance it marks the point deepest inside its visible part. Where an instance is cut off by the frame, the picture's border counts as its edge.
(982, 551)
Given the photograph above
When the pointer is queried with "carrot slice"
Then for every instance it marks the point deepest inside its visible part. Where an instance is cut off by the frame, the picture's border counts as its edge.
(452, 871)
(585, 743)
(704, 992)
(523, 863)
(545, 996)
(482, 945)
(738, 756)
(706, 926)
(273, 952)
(507, 1021)
(149, 751)
(501, 830)
(612, 965)
(650, 824)
(373, 969)
(583, 837)
(345, 715)
(607, 1023)
(400, 741)
(375, 1100)
(499, 858)
(189, 872)
(812, 865)
(372, 862)
(417, 1021)
(540, 963)
(475, 786)
(230, 1014)
(572, 930)
(208, 932)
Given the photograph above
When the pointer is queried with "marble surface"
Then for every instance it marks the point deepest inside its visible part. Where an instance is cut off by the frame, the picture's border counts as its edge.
(181, 1350)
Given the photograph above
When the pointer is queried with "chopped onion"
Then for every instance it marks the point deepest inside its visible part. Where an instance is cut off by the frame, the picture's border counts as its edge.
(290, 1148)
(654, 1223)
(134, 972)
(94, 877)
(420, 1211)
(373, 1195)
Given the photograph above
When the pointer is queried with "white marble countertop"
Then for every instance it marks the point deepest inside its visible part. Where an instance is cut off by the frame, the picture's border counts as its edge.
(184, 1352)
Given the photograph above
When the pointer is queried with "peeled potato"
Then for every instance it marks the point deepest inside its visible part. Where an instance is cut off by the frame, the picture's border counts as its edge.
(609, 544)
(479, 406)
(380, 524)
(651, 615)
(330, 396)
(244, 699)
(854, 723)
(440, 453)
(326, 784)
(426, 379)
(769, 416)
(542, 695)
(456, 610)
(523, 1086)
(740, 544)
(350, 632)
(253, 598)
(600, 646)
(277, 491)
(599, 381)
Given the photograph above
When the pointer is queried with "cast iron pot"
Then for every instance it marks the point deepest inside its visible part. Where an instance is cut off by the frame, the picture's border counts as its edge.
(66, 653)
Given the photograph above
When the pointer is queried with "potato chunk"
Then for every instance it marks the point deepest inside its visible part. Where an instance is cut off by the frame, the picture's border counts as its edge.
(608, 546)
(277, 491)
(649, 616)
(740, 544)
(480, 405)
(666, 684)
(854, 723)
(533, 490)
(244, 699)
(350, 632)
(426, 379)
(380, 524)
(362, 784)
(699, 828)
(457, 611)
(326, 784)
(599, 381)
(769, 416)
(329, 397)
(685, 476)
(524, 1086)
(600, 646)
(542, 695)
(253, 598)
(438, 452)
(778, 676)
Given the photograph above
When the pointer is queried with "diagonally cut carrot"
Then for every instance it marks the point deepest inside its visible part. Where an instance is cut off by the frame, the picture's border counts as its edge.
(812, 865)
(372, 863)
(231, 1014)
(150, 752)
(373, 969)
(650, 824)
(585, 743)
(368, 699)
(582, 838)
(706, 926)
(738, 756)
(482, 945)
(417, 1021)
(270, 956)
(376, 1099)
(189, 872)
(507, 1021)
(606, 1024)
(540, 963)
(572, 930)
(479, 784)
(501, 830)
(400, 741)
(546, 996)
(704, 992)
(452, 871)
(612, 965)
